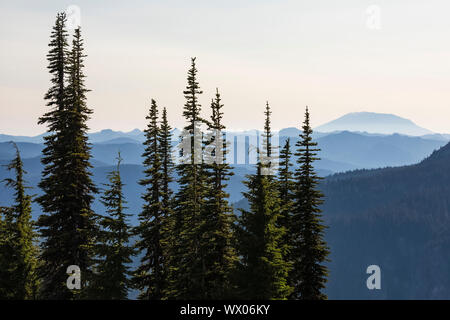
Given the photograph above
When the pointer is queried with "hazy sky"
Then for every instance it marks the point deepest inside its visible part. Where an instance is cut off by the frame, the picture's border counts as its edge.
(335, 56)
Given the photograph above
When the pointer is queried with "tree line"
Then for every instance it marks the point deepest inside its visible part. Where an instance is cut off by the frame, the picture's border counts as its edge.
(191, 243)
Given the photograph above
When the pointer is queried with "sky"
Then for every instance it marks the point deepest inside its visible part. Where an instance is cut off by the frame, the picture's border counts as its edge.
(334, 56)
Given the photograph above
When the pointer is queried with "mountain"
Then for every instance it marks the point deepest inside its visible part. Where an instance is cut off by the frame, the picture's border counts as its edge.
(368, 123)
(102, 153)
(120, 140)
(396, 218)
(107, 153)
(131, 174)
(27, 150)
(293, 132)
(374, 123)
(289, 132)
(375, 151)
(437, 136)
(341, 151)
(34, 139)
(108, 134)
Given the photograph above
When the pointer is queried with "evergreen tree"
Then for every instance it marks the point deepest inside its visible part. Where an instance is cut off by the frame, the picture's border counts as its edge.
(169, 235)
(285, 174)
(165, 148)
(68, 226)
(112, 271)
(7, 254)
(309, 250)
(24, 251)
(263, 271)
(220, 256)
(150, 277)
(286, 190)
(187, 268)
(267, 139)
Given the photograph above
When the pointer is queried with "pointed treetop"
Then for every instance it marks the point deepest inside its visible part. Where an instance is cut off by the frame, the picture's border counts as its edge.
(119, 160)
(306, 115)
(267, 132)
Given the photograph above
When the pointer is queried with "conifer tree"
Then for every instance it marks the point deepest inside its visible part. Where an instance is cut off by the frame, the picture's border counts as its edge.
(68, 224)
(309, 251)
(220, 255)
(7, 253)
(150, 277)
(286, 191)
(24, 252)
(267, 139)
(169, 234)
(165, 149)
(263, 270)
(285, 174)
(188, 266)
(112, 271)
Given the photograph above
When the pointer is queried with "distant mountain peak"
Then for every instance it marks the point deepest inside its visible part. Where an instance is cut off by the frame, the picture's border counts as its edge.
(135, 131)
(373, 122)
(290, 132)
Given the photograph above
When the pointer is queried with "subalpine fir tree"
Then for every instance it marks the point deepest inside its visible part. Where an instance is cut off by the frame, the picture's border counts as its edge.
(7, 253)
(68, 225)
(53, 271)
(187, 268)
(20, 227)
(111, 280)
(169, 234)
(150, 276)
(220, 255)
(285, 174)
(309, 251)
(286, 190)
(165, 149)
(263, 270)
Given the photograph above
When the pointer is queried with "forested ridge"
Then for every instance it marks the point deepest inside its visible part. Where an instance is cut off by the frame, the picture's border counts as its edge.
(397, 218)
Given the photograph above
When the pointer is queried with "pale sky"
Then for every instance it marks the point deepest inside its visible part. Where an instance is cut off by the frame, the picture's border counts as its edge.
(334, 56)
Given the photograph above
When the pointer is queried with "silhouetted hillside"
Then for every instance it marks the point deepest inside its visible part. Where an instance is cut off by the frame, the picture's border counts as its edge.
(397, 218)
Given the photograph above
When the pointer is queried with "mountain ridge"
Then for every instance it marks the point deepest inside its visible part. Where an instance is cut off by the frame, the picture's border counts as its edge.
(397, 218)
(334, 126)
(373, 122)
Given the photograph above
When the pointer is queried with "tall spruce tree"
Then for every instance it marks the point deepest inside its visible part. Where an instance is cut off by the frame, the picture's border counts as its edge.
(309, 251)
(114, 252)
(263, 270)
(150, 276)
(20, 227)
(188, 265)
(68, 226)
(220, 255)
